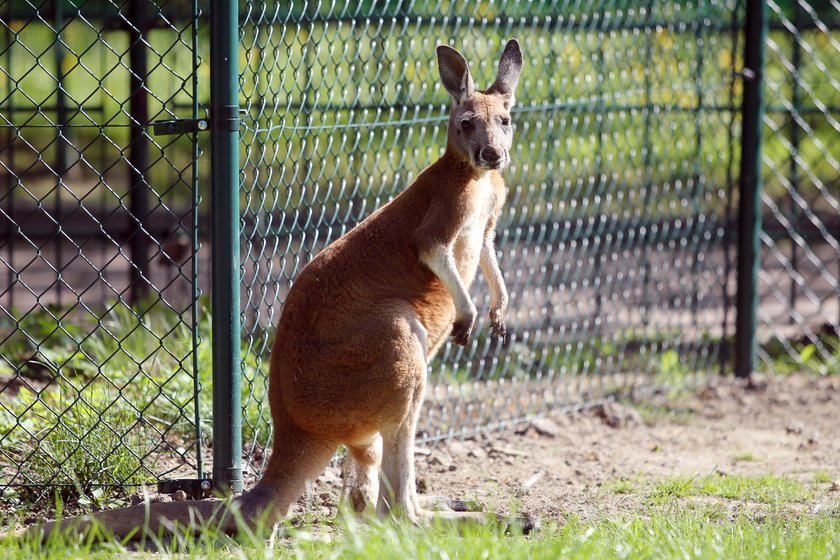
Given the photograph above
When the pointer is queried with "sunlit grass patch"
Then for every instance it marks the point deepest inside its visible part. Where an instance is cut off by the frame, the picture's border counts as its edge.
(744, 457)
(622, 485)
(680, 533)
(821, 477)
(768, 489)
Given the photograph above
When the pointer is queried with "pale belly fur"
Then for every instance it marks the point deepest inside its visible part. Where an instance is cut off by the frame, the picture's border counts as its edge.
(471, 237)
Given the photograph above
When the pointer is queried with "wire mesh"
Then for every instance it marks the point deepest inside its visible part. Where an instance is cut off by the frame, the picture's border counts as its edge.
(799, 280)
(614, 240)
(98, 302)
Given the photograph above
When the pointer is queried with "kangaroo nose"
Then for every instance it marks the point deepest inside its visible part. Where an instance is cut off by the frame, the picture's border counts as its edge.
(491, 155)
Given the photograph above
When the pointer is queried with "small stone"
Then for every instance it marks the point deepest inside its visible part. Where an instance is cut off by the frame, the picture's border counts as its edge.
(616, 415)
(439, 457)
(526, 486)
(545, 427)
(179, 496)
(332, 475)
(507, 451)
(709, 392)
(327, 499)
(796, 427)
(782, 399)
(457, 447)
(756, 384)
(478, 453)
(138, 499)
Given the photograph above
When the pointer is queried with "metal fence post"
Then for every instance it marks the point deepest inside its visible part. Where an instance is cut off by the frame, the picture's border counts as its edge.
(138, 157)
(61, 160)
(224, 186)
(749, 206)
(795, 136)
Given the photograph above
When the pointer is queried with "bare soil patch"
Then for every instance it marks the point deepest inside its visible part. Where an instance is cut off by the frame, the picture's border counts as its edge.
(784, 426)
(574, 464)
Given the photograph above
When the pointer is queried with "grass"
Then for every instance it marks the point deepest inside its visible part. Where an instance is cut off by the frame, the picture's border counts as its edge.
(685, 533)
(745, 457)
(622, 485)
(100, 395)
(822, 477)
(767, 489)
(818, 357)
(653, 413)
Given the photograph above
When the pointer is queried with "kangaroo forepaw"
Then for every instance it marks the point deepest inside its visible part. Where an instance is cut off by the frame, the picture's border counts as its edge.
(497, 323)
(498, 329)
(461, 331)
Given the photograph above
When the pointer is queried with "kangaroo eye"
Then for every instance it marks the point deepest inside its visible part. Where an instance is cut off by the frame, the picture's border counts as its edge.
(466, 125)
(505, 121)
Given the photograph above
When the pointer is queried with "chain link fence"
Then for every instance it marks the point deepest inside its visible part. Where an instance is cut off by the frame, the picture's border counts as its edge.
(98, 250)
(614, 240)
(617, 243)
(799, 279)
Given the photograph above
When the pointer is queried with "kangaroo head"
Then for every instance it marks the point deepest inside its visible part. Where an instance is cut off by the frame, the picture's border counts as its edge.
(479, 121)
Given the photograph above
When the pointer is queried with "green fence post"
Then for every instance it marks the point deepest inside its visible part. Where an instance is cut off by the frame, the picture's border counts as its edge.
(138, 154)
(61, 130)
(795, 135)
(749, 207)
(224, 194)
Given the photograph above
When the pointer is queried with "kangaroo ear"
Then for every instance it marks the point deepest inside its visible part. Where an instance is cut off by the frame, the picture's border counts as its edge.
(454, 73)
(510, 66)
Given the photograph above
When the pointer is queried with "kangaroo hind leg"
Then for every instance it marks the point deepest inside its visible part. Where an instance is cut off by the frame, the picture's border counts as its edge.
(297, 459)
(361, 475)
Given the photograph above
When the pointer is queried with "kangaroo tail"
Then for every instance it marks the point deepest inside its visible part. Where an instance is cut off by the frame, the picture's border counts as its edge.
(297, 458)
(159, 518)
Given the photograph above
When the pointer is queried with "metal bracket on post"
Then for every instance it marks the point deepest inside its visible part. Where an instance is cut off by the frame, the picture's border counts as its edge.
(195, 488)
(180, 126)
(746, 74)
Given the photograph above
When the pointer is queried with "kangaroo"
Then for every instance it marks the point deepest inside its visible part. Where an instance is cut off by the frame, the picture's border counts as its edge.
(363, 319)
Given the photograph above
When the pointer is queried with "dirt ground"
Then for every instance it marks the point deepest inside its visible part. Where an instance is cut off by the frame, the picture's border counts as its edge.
(567, 464)
(574, 463)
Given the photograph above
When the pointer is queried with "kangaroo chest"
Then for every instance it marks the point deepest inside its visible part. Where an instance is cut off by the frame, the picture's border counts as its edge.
(470, 238)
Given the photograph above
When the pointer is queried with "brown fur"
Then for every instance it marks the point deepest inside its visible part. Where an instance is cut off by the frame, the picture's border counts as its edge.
(364, 318)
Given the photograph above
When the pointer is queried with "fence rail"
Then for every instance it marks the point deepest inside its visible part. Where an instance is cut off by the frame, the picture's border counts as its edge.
(618, 243)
